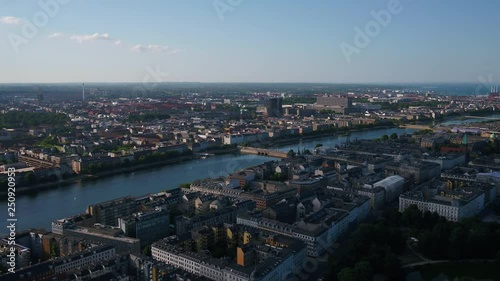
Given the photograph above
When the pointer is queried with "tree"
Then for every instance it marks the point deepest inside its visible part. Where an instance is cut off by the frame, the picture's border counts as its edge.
(458, 238)
(428, 220)
(363, 271)
(147, 251)
(441, 234)
(466, 278)
(30, 178)
(4, 184)
(393, 136)
(66, 175)
(392, 217)
(28, 119)
(53, 249)
(277, 177)
(290, 153)
(392, 267)
(347, 274)
(52, 178)
(48, 142)
(412, 217)
(384, 137)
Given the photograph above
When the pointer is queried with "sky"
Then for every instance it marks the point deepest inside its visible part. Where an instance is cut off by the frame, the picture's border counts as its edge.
(364, 41)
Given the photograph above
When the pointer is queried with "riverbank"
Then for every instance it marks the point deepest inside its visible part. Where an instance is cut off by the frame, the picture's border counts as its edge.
(39, 208)
(293, 140)
(80, 178)
(275, 144)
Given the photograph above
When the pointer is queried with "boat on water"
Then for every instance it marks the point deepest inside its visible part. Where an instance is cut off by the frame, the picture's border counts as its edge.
(204, 155)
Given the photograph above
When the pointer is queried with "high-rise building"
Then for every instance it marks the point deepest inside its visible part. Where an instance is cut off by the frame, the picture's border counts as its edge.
(274, 107)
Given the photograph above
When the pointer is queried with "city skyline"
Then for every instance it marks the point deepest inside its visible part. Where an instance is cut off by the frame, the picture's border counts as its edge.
(250, 41)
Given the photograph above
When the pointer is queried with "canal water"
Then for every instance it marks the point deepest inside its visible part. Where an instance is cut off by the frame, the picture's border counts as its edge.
(456, 122)
(40, 209)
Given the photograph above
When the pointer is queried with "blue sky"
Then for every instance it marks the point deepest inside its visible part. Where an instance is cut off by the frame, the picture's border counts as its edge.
(250, 41)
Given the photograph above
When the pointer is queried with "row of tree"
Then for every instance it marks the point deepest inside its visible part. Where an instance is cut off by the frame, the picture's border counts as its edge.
(21, 119)
(442, 239)
(28, 179)
(372, 249)
(154, 157)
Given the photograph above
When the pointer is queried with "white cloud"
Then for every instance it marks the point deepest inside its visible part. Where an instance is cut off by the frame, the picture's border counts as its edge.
(11, 20)
(56, 35)
(153, 48)
(118, 43)
(93, 37)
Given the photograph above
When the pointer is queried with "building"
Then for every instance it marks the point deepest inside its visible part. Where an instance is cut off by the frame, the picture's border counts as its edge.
(319, 230)
(393, 187)
(274, 107)
(224, 215)
(98, 234)
(58, 267)
(148, 227)
(454, 205)
(340, 104)
(306, 188)
(447, 162)
(419, 171)
(108, 212)
(22, 254)
(376, 195)
(245, 137)
(273, 259)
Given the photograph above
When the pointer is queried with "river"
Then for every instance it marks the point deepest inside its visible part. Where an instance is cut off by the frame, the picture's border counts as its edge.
(458, 121)
(40, 209)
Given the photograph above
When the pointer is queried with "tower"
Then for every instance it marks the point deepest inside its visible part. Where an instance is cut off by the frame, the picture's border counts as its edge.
(274, 107)
(39, 94)
(83, 91)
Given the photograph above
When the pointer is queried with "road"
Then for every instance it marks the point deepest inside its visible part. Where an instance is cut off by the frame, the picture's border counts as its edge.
(443, 261)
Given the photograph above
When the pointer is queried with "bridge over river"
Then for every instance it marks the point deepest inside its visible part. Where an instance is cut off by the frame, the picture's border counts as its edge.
(264, 152)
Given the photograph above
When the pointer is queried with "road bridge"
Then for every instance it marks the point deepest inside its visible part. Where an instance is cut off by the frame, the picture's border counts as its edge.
(264, 152)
